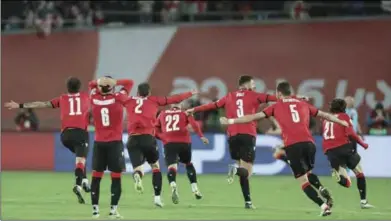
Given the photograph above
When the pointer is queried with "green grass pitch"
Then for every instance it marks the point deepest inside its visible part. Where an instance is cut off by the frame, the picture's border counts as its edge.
(42, 196)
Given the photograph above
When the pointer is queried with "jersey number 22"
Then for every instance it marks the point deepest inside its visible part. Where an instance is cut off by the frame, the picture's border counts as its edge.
(172, 122)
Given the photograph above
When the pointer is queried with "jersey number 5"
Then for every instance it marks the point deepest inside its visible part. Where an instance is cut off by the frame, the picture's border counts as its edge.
(172, 122)
(74, 101)
(294, 113)
(239, 111)
(104, 112)
(137, 109)
(328, 133)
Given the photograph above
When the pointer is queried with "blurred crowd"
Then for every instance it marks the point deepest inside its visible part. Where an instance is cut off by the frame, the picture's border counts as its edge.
(57, 14)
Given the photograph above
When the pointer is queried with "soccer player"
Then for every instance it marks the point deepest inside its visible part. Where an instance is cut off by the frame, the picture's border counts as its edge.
(107, 111)
(241, 137)
(340, 151)
(171, 129)
(293, 114)
(351, 111)
(141, 115)
(74, 111)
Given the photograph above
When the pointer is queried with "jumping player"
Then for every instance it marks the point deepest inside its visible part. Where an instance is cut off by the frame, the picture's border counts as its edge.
(292, 114)
(341, 152)
(141, 115)
(74, 111)
(241, 137)
(171, 129)
(107, 111)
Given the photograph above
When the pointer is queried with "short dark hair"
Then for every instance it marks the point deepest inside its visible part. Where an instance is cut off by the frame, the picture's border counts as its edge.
(244, 79)
(143, 89)
(73, 85)
(338, 106)
(285, 88)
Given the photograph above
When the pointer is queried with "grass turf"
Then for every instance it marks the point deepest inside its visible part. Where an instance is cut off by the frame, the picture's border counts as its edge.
(43, 196)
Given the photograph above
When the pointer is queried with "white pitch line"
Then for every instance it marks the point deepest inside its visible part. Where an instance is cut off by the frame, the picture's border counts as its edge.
(291, 209)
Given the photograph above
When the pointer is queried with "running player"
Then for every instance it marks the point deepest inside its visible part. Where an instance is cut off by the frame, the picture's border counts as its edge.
(107, 111)
(74, 111)
(141, 115)
(293, 115)
(241, 137)
(340, 151)
(171, 129)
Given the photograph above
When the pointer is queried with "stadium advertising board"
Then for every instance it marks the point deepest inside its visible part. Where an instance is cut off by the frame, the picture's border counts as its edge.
(44, 151)
(323, 60)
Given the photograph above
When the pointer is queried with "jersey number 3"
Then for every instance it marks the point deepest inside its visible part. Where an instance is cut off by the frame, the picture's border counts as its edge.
(74, 101)
(294, 113)
(239, 111)
(172, 122)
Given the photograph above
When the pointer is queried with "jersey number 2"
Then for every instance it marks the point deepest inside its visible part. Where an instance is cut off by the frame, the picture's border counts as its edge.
(172, 122)
(104, 112)
(328, 133)
(137, 109)
(294, 113)
(74, 101)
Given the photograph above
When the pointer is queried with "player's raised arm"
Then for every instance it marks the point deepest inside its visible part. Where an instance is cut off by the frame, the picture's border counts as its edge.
(177, 98)
(197, 129)
(92, 85)
(126, 84)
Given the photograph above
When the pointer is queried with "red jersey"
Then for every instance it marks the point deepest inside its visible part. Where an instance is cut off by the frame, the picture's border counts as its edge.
(74, 110)
(171, 126)
(141, 111)
(107, 112)
(293, 115)
(238, 104)
(335, 135)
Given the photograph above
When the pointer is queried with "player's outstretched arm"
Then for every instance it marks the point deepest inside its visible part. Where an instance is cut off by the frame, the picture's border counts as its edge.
(35, 104)
(210, 106)
(196, 127)
(332, 118)
(177, 98)
(244, 119)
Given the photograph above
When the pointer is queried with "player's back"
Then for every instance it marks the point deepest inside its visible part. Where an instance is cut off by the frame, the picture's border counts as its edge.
(240, 103)
(293, 115)
(141, 114)
(335, 135)
(173, 125)
(107, 111)
(74, 110)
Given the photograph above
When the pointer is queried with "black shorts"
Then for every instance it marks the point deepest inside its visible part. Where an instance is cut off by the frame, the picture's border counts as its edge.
(76, 140)
(142, 148)
(301, 157)
(108, 155)
(344, 156)
(174, 152)
(354, 144)
(242, 147)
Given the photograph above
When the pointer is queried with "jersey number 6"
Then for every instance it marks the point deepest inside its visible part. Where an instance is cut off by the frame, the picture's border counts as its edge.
(104, 112)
